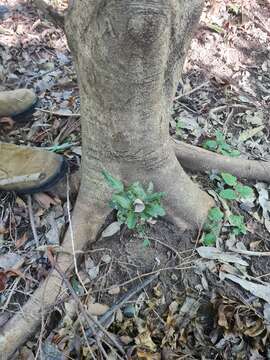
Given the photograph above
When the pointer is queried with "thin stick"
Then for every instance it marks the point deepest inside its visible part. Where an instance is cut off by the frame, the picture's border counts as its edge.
(191, 91)
(32, 219)
(250, 253)
(167, 246)
(89, 318)
(118, 304)
(72, 237)
(147, 274)
(58, 113)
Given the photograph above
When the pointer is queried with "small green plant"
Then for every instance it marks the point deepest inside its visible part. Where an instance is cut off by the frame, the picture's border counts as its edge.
(179, 128)
(237, 224)
(212, 226)
(220, 145)
(135, 206)
(232, 188)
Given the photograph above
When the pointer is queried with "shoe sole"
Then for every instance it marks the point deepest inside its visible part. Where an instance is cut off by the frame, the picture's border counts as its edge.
(53, 180)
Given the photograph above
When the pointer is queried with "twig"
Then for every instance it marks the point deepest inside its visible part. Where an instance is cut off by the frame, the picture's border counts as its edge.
(191, 91)
(58, 113)
(250, 253)
(72, 237)
(118, 304)
(147, 274)
(230, 106)
(32, 219)
(167, 246)
(88, 317)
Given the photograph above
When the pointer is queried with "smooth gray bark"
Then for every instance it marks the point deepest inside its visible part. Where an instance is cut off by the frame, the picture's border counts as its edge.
(129, 57)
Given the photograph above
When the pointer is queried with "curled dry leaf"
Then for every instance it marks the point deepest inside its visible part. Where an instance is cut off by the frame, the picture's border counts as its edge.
(138, 206)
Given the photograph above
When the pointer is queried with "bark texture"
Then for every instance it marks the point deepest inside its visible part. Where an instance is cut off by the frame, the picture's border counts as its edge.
(129, 56)
(199, 159)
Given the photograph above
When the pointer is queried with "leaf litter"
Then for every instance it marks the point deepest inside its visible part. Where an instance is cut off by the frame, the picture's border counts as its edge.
(220, 307)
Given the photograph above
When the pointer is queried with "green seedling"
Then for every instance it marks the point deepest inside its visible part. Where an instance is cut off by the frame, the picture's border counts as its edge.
(134, 205)
(220, 145)
(179, 128)
(212, 226)
(233, 189)
(237, 224)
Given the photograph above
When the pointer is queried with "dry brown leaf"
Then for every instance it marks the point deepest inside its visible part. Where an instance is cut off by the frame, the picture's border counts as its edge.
(144, 355)
(44, 200)
(97, 309)
(21, 241)
(8, 122)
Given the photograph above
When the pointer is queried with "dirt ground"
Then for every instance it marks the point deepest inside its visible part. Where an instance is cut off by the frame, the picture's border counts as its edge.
(176, 298)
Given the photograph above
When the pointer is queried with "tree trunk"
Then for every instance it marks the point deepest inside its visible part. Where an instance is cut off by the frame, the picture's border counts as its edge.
(129, 56)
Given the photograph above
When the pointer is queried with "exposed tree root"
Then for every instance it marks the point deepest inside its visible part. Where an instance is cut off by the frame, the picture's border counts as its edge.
(24, 324)
(198, 159)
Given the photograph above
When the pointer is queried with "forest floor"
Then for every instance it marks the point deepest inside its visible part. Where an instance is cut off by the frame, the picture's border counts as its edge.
(165, 300)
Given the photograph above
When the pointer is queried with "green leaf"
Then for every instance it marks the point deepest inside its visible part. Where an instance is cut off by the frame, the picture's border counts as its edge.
(220, 138)
(155, 196)
(209, 239)
(122, 200)
(114, 183)
(146, 243)
(137, 190)
(244, 191)
(215, 214)
(210, 145)
(226, 147)
(235, 153)
(155, 210)
(228, 194)
(224, 152)
(229, 179)
(131, 220)
(236, 220)
(215, 28)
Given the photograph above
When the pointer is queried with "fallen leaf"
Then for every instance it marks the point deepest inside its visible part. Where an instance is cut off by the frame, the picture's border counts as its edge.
(44, 200)
(11, 260)
(247, 134)
(212, 253)
(8, 122)
(21, 241)
(3, 280)
(138, 206)
(259, 290)
(91, 269)
(112, 229)
(97, 309)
